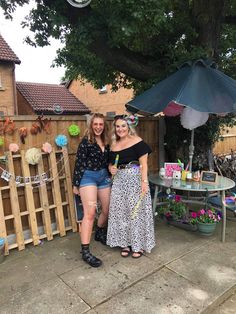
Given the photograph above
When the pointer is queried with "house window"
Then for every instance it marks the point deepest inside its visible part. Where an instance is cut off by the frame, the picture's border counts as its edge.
(103, 90)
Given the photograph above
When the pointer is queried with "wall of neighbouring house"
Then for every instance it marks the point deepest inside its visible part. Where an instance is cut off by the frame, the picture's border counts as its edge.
(23, 105)
(7, 88)
(97, 101)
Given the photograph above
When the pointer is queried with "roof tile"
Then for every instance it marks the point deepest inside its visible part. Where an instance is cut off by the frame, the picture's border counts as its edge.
(44, 97)
(6, 53)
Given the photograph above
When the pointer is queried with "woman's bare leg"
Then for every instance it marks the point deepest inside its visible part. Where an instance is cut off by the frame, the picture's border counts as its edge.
(104, 197)
(88, 196)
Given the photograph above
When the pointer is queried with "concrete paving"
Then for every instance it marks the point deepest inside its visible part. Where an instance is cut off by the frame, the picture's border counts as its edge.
(185, 273)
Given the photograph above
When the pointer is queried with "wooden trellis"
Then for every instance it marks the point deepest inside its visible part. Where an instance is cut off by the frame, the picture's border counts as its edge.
(33, 211)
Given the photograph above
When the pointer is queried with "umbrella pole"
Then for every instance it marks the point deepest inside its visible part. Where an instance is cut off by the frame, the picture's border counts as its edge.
(191, 151)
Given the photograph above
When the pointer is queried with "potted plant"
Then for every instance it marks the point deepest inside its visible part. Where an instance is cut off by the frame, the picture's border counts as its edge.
(206, 220)
(175, 213)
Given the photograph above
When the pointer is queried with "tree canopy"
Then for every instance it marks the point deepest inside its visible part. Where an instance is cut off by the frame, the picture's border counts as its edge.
(136, 43)
(133, 43)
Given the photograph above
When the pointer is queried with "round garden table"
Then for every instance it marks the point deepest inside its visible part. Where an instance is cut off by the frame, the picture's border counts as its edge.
(220, 186)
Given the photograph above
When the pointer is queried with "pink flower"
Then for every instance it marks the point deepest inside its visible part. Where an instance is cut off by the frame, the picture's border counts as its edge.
(202, 211)
(178, 198)
(209, 212)
(193, 215)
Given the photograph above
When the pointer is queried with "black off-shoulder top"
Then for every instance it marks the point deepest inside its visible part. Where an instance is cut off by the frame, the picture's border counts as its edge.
(129, 154)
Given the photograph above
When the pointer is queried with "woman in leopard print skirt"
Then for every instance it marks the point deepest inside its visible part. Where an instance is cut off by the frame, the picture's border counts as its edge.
(130, 222)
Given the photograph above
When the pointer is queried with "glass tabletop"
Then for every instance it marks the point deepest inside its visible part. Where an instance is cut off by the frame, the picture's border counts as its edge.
(222, 184)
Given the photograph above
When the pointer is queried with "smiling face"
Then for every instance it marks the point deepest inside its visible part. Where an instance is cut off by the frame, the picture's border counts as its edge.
(121, 128)
(98, 126)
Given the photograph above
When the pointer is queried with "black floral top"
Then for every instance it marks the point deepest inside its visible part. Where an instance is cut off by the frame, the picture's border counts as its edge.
(89, 157)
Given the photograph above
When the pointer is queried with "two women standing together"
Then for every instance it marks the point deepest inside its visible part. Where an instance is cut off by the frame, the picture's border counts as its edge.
(122, 189)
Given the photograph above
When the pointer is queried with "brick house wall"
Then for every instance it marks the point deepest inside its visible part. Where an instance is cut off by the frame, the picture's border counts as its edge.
(7, 89)
(101, 100)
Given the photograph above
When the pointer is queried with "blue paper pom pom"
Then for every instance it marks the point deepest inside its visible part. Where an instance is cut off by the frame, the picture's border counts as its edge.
(61, 140)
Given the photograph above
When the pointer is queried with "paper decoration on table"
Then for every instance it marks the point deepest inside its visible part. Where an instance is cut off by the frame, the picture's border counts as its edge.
(47, 147)
(74, 130)
(33, 155)
(61, 140)
(13, 147)
(170, 167)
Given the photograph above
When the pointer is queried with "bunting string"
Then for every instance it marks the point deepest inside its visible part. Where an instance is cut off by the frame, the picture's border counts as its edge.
(34, 181)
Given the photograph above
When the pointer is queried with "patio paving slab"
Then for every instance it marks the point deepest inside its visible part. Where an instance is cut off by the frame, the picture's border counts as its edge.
(51, 297)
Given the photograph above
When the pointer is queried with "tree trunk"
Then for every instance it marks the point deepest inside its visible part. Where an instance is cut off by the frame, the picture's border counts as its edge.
(208, 16)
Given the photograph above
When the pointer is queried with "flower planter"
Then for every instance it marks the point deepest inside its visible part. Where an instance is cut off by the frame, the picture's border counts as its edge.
(206, 229)
(183, 225)
(180, 224)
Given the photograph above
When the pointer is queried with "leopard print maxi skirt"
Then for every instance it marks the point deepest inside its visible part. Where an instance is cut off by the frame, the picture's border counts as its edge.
(130, 221)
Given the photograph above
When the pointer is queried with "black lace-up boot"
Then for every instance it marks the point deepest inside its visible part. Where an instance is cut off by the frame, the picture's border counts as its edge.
(88, 257)
(101, 235)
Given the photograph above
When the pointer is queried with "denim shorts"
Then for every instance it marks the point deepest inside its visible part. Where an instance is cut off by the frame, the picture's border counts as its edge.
(98, 178)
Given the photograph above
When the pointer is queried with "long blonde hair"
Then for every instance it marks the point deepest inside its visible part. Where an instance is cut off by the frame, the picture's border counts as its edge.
(114, 136)
(89, 131)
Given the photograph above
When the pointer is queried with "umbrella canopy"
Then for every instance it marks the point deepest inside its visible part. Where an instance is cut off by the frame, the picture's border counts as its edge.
(193, 91)
(198, 85)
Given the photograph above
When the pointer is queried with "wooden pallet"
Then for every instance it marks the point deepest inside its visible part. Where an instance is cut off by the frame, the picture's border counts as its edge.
(40, 210)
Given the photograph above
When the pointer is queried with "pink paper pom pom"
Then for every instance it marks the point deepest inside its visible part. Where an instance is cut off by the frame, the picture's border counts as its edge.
(47, 147)
(173, 109)
(13, 147)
